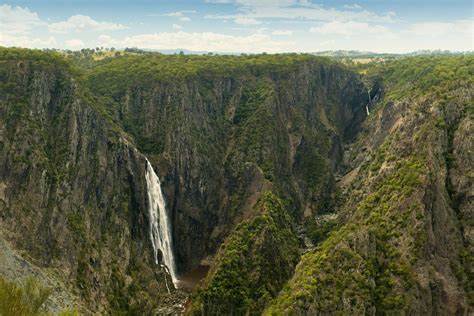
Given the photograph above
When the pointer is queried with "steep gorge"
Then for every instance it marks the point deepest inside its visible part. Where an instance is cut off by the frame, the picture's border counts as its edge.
(249, 151)
(222, 140)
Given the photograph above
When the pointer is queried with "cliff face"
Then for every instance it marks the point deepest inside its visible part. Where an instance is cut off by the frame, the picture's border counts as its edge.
(72, 188)
(220, 140)
(403, 238)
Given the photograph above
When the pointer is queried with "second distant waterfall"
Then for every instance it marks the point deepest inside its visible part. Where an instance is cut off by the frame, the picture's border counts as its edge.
(160, 224)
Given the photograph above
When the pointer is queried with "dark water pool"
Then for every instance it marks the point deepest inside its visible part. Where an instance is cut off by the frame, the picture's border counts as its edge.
(193, 278)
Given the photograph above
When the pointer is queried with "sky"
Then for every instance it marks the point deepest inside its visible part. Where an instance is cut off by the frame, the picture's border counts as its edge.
(244, 26)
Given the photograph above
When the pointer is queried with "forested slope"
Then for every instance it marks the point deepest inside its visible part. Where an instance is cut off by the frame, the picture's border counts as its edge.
(404, 237)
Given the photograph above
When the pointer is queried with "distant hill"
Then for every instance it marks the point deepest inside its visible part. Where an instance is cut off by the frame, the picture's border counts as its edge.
(362, 54)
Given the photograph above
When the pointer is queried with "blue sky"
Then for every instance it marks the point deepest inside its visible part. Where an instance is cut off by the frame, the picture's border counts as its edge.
(240, 25)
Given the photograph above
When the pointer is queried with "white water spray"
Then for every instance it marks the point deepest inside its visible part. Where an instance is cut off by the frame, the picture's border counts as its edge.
(367, 106)
(160, 224)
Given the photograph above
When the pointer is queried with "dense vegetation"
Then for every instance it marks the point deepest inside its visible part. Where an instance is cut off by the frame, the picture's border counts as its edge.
(252, 265)
(130, 69)
(421, 75)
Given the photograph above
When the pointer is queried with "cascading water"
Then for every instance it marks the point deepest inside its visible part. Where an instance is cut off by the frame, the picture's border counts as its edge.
(368, 104)
(160, 225)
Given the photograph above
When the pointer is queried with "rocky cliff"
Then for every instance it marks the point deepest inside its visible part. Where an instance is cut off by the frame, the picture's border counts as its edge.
(73, 193)
(221, 139)
(402, 243)
(260, 158)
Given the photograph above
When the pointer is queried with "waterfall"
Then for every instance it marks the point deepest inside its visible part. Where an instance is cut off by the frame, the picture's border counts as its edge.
(367, 106)
(160, 224)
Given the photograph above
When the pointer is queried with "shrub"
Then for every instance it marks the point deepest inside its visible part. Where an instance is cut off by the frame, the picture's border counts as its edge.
(27, 298)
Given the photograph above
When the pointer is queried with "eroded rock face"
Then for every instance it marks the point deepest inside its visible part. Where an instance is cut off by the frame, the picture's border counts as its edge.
(220, 140)
(73, 193)
(402, 242)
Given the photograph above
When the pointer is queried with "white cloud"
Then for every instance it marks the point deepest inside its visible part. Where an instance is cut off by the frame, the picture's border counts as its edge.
(258, 3)
(349, 28)
(16, 25)
(345, 27)
(282, 32)
(18, 20)
(267, 3)
(435, 29)
(218, 1)
(350, 36)
(83, 23)
(246, 21)
(300, 9)
(26, 41)
(179, 14)
(174, 14)
(196, 41)
(74, 44)
(352, 7)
